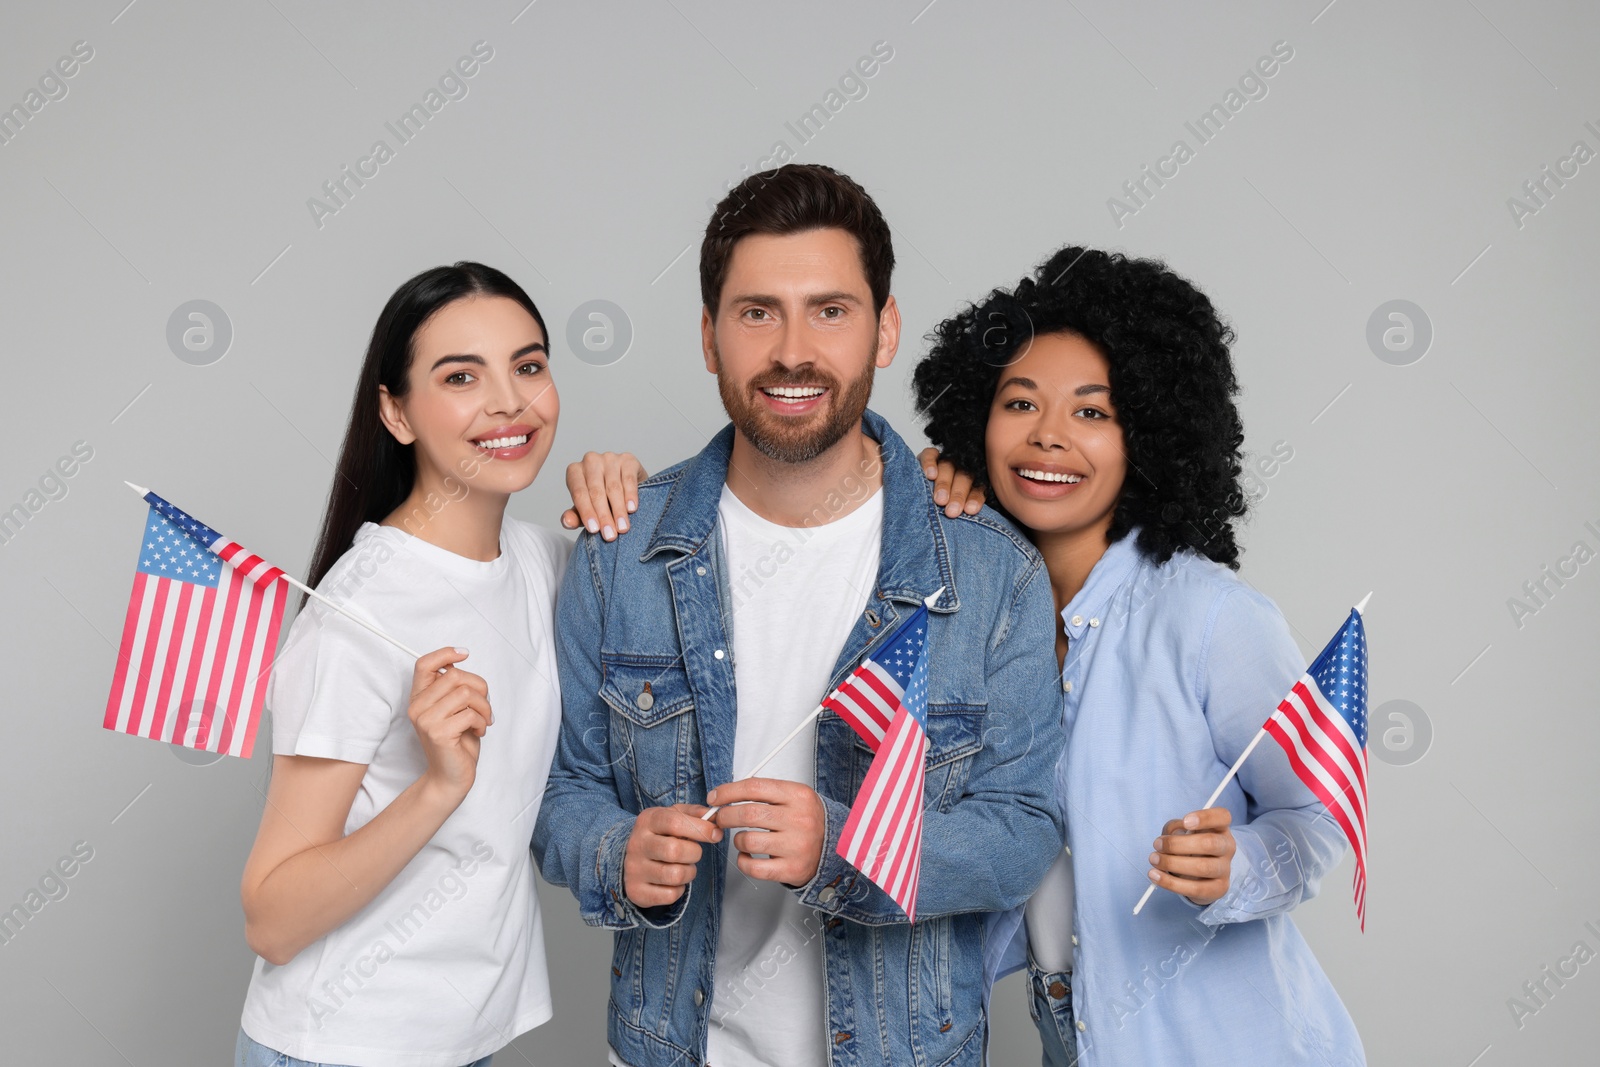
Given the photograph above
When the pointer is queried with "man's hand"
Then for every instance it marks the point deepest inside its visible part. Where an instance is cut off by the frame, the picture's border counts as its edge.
(1194, 855)
(663, 851)
(789, 818)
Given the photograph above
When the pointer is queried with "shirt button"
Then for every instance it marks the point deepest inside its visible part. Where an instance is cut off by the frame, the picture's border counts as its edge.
(1077, 620)
(826, 896)
(644, 700)
(718, 653)
(1082, 1026)
(1094, 622)
(701, 571)
(699, 997)
(1074, 940)
(1066, 685)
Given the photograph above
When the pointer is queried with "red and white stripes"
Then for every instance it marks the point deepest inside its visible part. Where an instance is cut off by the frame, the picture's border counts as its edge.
(883, 836)
(193, 664)
(1332, 762)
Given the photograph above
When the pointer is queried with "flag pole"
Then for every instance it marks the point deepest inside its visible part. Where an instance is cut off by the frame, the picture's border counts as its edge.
(816, 711)
(352, 616)
(770, 756)
(1251, 747)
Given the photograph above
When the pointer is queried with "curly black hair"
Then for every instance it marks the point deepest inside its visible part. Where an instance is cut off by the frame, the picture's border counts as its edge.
(1172, 382)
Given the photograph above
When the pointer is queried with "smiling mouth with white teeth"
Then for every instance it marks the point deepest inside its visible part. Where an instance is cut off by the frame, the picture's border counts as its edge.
(492, 443)
(793, 394)
(1047, 476)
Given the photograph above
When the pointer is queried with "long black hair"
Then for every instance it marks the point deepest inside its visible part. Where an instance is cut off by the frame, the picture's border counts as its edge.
(375, 472)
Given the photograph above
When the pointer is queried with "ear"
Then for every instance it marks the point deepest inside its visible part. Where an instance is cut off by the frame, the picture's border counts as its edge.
(888, 332)
(708, 339)
(393, 414)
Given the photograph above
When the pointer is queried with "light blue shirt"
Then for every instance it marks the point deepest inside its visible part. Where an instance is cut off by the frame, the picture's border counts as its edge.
(1170, 673)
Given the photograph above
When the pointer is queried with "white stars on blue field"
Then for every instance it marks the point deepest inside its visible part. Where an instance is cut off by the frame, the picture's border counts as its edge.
(169, 551)
(905, 659)
(185, 521)
(1341, 673)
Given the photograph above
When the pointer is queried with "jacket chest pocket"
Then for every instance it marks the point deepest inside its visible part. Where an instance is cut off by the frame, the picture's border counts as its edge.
(955, 737)
(652, 731)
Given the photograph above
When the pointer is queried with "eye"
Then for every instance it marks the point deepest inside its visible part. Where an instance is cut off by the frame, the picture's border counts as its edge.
(758, 314)
(458, 378)
(832, 312)
(1092, 413)
(1019, 405)
(535, 366)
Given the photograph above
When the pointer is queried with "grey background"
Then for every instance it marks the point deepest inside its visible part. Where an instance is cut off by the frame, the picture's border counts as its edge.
(582, 160)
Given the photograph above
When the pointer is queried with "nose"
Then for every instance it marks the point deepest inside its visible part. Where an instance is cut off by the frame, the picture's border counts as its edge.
(793, 348)
(503, 398)
(506, 397)
(1051, 433)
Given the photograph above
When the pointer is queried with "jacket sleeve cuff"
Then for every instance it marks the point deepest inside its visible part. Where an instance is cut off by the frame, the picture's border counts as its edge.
(615, 910)
(838, 888)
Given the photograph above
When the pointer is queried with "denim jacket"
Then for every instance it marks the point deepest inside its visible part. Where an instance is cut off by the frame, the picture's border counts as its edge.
(647, 684)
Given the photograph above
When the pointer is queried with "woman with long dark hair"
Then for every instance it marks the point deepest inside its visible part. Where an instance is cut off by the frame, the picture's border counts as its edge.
(390, 894)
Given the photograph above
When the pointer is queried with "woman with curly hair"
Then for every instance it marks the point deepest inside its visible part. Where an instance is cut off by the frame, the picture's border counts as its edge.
(1094, 405)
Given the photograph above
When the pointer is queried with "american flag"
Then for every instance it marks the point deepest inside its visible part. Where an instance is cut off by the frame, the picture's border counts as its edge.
(1322, 726)
(200, 635)
(886, 701)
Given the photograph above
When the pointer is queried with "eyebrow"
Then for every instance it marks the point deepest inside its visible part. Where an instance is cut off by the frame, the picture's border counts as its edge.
(479, 361)
(1029, 383)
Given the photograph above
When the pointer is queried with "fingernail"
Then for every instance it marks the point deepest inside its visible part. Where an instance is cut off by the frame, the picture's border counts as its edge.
(941, 497)
(633, 505)
(932, 472)
(1157, 844)
(608, 533)
(711, 799)
(1154, 859)
(461, 651)
(622, 524)
(592, 526)
(1191, 821)
(1155, 875)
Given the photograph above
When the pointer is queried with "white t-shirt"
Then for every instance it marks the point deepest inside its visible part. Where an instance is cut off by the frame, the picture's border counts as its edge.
(796, 594)
(446, 964)
(1049, 917)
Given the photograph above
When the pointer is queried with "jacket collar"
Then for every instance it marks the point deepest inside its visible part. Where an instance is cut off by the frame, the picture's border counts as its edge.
(914, 560)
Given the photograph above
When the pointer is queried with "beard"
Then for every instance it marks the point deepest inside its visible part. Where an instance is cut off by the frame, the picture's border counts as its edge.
(790, 440)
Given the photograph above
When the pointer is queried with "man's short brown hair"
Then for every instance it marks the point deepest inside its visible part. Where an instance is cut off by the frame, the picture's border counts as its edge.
(795, 198)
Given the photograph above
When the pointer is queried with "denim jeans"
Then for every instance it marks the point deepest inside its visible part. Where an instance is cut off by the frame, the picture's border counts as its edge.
(1050, 1005)
(248, 1052)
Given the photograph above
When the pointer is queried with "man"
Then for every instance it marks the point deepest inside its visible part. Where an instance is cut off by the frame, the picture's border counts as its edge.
(760, 574)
